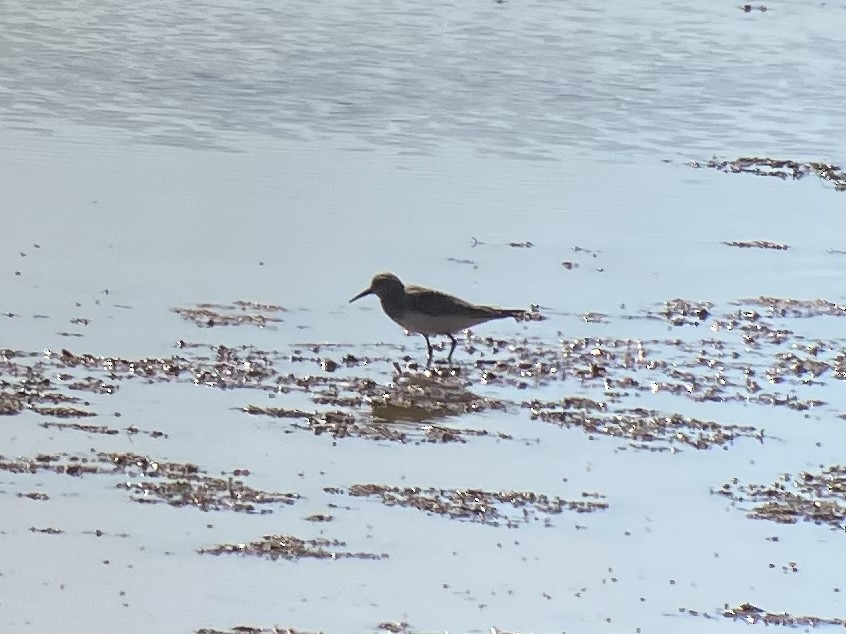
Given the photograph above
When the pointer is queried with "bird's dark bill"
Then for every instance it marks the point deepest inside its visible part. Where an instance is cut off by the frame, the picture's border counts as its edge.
(366, 291)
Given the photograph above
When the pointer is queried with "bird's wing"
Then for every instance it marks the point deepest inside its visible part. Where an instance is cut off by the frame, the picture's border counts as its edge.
(431, 302)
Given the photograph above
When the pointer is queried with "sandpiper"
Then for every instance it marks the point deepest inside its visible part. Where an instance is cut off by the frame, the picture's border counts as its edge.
(430, 312)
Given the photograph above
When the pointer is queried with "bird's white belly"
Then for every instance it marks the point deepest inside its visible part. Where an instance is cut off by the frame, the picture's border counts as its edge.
(436, 324)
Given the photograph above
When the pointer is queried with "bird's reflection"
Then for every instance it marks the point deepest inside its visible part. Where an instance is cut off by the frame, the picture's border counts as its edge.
(420, 397)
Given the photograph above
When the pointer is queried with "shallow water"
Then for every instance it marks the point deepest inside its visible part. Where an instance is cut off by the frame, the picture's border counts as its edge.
(511, 78)
(155, 156)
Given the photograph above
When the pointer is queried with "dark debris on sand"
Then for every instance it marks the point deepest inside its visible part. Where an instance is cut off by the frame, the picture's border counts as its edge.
(795, 308)
(752, 614)
(757, 244)
(395, 627)
(778, 168)
(291, 548)
(151, 481)
(818, 497)
(638, 425)
(238, 313)
(495, 508)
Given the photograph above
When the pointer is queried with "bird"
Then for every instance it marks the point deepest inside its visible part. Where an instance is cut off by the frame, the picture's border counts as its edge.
(429, 312)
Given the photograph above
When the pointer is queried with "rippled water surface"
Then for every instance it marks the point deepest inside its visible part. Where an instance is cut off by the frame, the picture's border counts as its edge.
(527, 79)
(156, 156)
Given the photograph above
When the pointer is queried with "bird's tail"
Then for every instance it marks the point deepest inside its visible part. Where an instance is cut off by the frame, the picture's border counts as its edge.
(518, 313)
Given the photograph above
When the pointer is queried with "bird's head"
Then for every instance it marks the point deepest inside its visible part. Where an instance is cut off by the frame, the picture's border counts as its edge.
(382, 285)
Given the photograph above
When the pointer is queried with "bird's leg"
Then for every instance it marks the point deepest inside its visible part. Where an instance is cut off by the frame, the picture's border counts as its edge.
(429, 346)
(452, 347)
